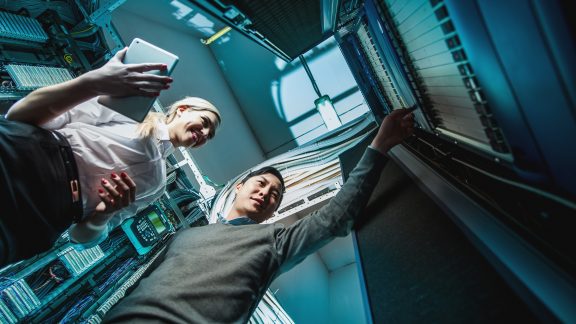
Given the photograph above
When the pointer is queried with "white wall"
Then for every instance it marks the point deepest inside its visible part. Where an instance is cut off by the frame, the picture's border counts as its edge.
(346, 305)
(324, 288)
(234, 149)
(250, 70)
(303, 291)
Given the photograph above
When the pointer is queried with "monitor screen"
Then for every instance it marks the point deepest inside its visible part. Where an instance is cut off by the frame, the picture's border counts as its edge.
(157, 222)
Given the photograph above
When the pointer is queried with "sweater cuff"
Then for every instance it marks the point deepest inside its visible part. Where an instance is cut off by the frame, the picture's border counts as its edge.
(373, 156)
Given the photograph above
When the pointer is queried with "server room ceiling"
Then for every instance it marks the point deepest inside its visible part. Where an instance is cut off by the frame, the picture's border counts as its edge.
(286, 27)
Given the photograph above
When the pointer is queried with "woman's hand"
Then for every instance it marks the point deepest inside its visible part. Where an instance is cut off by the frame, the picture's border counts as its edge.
(114, 78)
(116, 193)
(121, 80)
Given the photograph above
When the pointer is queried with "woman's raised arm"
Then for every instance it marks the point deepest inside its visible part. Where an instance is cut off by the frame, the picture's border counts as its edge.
(114, 78)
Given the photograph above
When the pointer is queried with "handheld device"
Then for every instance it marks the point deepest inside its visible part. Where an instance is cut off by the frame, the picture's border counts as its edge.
(140, 51)
(146, 229)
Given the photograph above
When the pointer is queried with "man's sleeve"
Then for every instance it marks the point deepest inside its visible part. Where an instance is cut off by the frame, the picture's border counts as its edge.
(307, 235)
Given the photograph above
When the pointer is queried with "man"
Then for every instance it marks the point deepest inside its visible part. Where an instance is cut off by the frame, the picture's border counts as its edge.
(218, 273)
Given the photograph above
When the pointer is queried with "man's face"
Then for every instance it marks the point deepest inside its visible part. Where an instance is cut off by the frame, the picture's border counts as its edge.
(258, 197)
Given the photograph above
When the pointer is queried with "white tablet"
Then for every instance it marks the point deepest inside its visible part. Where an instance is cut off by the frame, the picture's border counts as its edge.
(140, 51)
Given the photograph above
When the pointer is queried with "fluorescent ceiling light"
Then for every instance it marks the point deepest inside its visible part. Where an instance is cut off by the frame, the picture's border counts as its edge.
(327, 112)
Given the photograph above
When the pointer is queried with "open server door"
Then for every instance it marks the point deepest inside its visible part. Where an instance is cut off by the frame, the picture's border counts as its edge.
(494, 85)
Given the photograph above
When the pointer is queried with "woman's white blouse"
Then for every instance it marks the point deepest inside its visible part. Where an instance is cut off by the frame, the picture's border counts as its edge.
(104, 141)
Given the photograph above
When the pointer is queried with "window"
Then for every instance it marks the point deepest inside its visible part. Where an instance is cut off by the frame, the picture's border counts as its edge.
(294, 94)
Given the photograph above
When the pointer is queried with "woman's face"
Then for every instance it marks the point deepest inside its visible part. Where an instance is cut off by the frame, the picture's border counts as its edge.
(192, 128)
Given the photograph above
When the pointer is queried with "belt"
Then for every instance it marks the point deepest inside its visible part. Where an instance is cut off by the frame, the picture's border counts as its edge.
(71, 175)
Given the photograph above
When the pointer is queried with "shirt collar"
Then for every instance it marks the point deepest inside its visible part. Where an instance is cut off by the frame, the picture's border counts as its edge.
(166, 147)
(236, 221)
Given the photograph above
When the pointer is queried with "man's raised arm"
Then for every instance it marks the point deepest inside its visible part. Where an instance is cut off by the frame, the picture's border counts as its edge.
(312, 232)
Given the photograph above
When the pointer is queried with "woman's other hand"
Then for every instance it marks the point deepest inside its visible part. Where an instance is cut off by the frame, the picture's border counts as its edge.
(116, 193)
(121, 80)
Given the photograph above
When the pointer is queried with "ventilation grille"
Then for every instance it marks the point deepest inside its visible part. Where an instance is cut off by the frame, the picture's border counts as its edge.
(78, 261)
(428, 43)
(21, 28)
(30, 77)
(293, 26)
(385, 84)
(19, 299)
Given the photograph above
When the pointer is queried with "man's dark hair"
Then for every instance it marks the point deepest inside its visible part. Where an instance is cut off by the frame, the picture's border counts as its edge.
(271, 170)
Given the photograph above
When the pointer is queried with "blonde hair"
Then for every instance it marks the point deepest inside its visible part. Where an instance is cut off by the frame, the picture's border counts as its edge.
(148, 126)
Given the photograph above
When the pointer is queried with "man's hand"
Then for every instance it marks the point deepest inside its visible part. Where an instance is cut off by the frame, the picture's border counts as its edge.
(121, 80)
(397, 126)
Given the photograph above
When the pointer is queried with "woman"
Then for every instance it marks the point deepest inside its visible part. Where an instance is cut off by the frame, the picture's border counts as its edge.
(68, 159)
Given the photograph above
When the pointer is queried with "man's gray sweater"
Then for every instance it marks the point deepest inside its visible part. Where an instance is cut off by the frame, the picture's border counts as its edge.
(218, 273)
